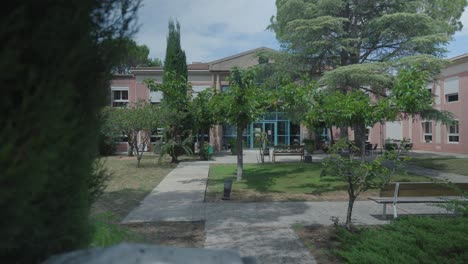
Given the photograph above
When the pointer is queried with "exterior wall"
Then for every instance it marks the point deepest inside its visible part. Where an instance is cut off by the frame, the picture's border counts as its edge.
(412, 127)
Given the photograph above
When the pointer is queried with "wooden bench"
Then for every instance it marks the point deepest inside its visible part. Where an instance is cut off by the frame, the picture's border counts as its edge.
(293, 150)
(418, 192)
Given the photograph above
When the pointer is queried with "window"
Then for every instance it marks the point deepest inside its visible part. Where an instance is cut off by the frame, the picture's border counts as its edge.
(453, 133)
(156, 135)
(119, 96)
(427, 131)
(451, 89)
(367, 134)
(451, 97)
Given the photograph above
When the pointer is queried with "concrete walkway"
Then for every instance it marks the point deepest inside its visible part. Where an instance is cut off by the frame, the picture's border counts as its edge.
(261, 230)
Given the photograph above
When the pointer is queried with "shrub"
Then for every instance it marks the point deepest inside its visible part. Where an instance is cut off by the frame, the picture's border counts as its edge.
(204, 152)
(55, 69)
(408, 240)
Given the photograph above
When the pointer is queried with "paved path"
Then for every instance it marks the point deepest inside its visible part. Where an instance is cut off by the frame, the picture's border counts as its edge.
(261, 230)
(436, 174)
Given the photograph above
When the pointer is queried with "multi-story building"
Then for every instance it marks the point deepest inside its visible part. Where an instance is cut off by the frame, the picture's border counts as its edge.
(131, 88)
(451, 94)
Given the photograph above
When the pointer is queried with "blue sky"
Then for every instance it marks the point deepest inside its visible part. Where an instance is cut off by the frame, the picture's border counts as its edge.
(213, 29)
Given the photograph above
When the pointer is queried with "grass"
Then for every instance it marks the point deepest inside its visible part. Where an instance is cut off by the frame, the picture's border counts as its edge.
(127, 186)
(283, 182)
(452, 165)
(407, 240)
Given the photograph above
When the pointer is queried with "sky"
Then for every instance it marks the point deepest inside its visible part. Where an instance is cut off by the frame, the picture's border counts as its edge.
(214, 29)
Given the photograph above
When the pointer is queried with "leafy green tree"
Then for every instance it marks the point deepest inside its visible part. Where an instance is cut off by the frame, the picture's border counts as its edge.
(56, 65)
(137, 123)
(204, 117)
(359, 44)
(240, 105)
(361, 175)
(133, 55)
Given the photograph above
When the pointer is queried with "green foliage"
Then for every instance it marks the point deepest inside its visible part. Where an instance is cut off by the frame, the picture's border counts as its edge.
(205, 152)
(359, 174)
(55, 65)
(360, 45)
(176, 148)
(408, 240)
(241, 105)
(108, 136)
(105, 232)
(176, 117)
(203, 116)
(132, 55)
(137, 122)
(175, 60)
(331, 33)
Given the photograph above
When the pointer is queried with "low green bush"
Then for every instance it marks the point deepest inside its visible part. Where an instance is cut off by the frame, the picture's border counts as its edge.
(408, 240)
(105, 230)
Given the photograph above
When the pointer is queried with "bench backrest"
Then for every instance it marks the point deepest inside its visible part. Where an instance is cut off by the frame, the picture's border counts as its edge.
(292, 148)
(421, 189)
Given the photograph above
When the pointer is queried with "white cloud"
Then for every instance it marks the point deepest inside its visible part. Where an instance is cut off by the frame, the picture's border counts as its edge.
(210, 29)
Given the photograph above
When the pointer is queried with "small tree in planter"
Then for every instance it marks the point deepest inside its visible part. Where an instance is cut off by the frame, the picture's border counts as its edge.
(359, 174)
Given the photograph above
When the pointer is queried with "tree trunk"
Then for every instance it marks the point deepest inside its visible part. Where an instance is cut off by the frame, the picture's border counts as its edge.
(332, 140)
(349, 212)
(138, 160)
(344, 132)
(240, 163)
(130, 150)
(360, 138)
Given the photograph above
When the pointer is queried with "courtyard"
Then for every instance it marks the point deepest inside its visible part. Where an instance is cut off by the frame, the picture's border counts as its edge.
(266, 218)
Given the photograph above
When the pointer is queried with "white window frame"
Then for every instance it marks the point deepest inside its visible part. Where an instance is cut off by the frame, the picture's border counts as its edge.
(119, 88)
(425, 133)
(454, 134)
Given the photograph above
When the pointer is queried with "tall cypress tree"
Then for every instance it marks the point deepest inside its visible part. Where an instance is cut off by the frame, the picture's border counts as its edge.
(175, 60)
(176, 117)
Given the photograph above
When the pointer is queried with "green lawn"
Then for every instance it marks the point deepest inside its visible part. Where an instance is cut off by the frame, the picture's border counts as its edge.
(127, 186)
(282, 182)
(452, 165)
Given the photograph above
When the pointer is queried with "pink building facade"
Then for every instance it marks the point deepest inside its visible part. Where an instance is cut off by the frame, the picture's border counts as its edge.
(451, 94)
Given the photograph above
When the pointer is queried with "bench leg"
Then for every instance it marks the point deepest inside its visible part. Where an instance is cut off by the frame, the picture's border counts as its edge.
(384, 211)
(395, 215)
